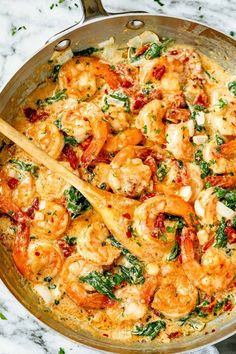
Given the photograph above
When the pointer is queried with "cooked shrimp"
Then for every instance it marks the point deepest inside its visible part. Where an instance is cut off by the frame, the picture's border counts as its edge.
(47, 137)
(123, 139)
(35, 260)
(49, 185)
(134, 301)
(175, 297)
(117, 118)
(92, 239)
(82, 294)
(50, 220)
(223, 121)
(178, 141)
(221, 157)
(73, 124)
(23, 191)
(128, 175)
(205, 206)
(215, 272)
(149, 121)
(94, 115)
(80, 74)
(146, 216)
(101, 175)
(224, 181)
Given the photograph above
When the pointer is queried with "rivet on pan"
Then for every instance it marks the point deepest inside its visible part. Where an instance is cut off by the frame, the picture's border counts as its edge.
(62, 45)
(135, 24)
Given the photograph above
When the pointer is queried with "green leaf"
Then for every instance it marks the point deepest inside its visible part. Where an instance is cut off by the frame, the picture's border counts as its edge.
(103, 283)
(222, 103)
(219, 140)
(232, 87)
(55, 72)
(106, 105)
(70, 140)
(29, 167)
(204, 166)
(174, 252)
(152, 329)
(87, 52)
(59, 95)
(2, 317)
(159, 2)
(133, 274)
(156, 50)
(121, 97)
(221, 237)
(197, 126)
(161, 172)
(61, 351)
(227, 197)
(71, 241)
(76, 202)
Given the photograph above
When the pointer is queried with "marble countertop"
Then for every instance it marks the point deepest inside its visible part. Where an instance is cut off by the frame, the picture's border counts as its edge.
(24, 28)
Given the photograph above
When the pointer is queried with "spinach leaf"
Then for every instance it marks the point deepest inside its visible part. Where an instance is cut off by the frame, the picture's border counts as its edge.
(29, 167)
(103, 283)
(152, 329)
(70, 140)
(122, 97)
(218, 306)
(174, 252)
(221, 237)
(180, 222)
(76, 202)
(232, 87)
(87, 52)
(106, 105)
(161, 172)
(156, 50)
(61, 351)
(71, 241)
(222, 103)
(228, 197)
(134, 273)
(55, 72)
(59, 95)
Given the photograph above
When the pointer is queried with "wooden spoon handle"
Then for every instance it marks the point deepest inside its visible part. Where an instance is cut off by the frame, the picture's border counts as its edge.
(43, 158)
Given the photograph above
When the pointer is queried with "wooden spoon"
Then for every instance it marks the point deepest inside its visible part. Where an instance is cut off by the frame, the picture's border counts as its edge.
(112, 208)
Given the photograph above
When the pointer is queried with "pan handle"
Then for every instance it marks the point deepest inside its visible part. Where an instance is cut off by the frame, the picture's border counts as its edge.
(90, 9)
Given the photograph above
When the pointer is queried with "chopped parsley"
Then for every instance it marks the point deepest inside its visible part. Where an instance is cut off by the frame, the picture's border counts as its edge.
(226, 196)
(152, 329)
(232, 87)
(61, 351)
(2, 317)
(70, 140)
(29, 167)
(219, 140)
(156, 50)
(145, 129)
(221, 237)
(204, 166)
(76, 202)
(222, 103)
(161, 172)
(71, 241)
(15, 29)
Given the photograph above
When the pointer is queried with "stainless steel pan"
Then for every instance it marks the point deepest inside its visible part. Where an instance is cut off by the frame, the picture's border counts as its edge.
(97, 26)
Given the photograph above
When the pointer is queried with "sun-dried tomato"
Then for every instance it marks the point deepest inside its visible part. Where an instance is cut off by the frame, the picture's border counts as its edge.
(33, 115)
(12, 182)
(67, 250)
(71, 156)
(159, 72)
(231, 234)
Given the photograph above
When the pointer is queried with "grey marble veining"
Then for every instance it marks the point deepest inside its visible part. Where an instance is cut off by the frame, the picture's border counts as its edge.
(21, 333)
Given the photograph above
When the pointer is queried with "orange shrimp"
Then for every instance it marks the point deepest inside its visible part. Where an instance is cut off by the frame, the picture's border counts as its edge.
(215, 272)
(227, 150)
(81, 293)
(224, 181)
(123, 139)
(79, 76)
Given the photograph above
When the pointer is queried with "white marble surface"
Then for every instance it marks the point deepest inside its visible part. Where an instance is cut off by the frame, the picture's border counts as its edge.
(21, 333)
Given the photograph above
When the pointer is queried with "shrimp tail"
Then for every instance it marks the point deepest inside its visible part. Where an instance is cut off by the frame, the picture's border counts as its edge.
(20, 248)
(228, 149)
(225, 181)
(187, 244)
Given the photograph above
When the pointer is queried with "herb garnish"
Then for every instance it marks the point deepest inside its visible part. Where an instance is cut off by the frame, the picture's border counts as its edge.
(71, 241)
(156, 50)
(222, 103)
(2, 317)
(204, 166)
(159, 2)
(76, 202)
(221, 237)
(61, 351)
(15, 29)
(55, 72)
(29, 167)
(161, 172)
(70, 140)
(133, 274)
(174, 252)
(228, 197)
(122, 97)
(103, 283)
(152, 329)
(59, 95)
(232, 87)
(86, 52)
